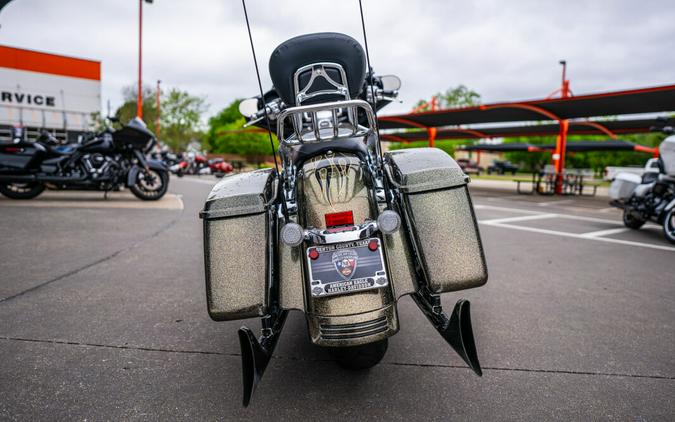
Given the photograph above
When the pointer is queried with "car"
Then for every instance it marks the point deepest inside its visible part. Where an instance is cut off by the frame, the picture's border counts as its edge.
(469, 166)
(502, 167)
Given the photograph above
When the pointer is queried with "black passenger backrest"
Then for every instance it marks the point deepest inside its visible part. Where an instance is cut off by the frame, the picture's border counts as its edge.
(318, 54)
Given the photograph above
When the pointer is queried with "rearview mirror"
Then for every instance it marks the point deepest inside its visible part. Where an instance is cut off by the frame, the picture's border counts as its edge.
(390, 82)
(248, 107)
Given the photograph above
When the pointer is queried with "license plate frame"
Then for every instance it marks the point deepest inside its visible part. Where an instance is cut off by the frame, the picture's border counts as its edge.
(327, 273)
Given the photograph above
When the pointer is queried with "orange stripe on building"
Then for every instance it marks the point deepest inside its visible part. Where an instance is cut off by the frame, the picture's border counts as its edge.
(35, 61)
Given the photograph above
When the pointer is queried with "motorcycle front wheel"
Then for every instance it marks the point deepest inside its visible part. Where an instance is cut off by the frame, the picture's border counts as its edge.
(669, 226)
(150, 185)
(630, 221)
(27, 190)
(361, 357)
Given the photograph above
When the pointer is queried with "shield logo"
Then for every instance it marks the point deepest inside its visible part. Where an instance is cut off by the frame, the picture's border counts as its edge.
(345, 262)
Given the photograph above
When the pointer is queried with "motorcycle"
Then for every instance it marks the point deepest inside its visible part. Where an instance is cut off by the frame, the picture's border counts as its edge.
(219, 167)
(174, 162)
(343, 230)
(107, 161)
(652, 196)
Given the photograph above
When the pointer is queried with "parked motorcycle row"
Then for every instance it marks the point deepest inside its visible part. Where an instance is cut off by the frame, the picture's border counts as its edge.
(650, 197)
(105, 161)
(193, 163)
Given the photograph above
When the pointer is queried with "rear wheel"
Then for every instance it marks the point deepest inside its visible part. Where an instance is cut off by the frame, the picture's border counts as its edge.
(27, 190)
(669, 226)
(630, 220)
(150, 185)
(360, 357)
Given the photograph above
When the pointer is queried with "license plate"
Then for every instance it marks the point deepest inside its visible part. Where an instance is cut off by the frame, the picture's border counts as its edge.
(346, 267)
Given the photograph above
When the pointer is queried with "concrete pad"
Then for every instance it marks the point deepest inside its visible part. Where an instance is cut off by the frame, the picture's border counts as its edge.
(89, 199)
(566, 330)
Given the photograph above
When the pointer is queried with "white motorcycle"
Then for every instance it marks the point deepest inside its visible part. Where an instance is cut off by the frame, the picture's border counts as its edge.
(649, 198)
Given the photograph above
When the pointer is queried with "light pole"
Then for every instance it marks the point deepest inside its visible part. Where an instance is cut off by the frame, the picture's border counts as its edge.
(139, 99)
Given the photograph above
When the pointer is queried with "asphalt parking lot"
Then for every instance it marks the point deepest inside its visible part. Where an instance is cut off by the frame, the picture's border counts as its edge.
(103, 317)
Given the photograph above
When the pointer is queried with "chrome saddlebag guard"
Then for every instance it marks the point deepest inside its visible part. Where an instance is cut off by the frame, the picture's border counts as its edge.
(434, 199)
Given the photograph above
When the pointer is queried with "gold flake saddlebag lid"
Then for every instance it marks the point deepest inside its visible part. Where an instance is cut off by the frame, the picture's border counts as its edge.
(240, 194)
(424, 169)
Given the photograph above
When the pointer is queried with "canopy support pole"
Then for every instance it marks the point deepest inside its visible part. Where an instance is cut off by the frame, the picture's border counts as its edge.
(561, 141)
(431, 132)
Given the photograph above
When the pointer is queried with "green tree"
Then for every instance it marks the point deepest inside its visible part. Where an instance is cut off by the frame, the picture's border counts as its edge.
(181, 114)
(220, 138)
(127, 110)
(459, 96)
(181, 118)
(596, 160)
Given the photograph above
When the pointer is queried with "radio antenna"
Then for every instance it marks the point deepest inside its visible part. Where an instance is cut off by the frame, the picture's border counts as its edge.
(370, 75)
(267, 120)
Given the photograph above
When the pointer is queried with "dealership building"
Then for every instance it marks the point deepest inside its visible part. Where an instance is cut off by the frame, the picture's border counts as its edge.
(48, 91)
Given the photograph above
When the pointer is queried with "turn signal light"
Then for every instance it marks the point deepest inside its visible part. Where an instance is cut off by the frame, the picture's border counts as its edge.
(337, 219)
(388, 221)
(292, 234)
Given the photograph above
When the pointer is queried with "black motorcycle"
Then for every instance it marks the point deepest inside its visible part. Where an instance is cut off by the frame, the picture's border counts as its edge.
(107, 161)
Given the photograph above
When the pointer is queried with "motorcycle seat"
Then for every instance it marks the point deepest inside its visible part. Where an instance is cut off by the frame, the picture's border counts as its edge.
(324, 47)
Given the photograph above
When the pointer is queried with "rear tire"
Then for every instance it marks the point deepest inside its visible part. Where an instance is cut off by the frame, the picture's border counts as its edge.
(669, 226)
(28, 190)
(150, 185)
(358, 358)
(630, 221)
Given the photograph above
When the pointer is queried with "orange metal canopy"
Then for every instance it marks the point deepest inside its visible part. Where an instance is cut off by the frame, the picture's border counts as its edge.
(608, 128)
(643, 100)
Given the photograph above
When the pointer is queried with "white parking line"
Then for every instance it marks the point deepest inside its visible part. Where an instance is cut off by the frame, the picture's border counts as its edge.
(607, 232)
(581, 236)
(549, 203)
(521, 218)
(595, 236)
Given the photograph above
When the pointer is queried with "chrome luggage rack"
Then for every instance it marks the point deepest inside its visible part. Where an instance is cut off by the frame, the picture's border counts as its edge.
(322, 122)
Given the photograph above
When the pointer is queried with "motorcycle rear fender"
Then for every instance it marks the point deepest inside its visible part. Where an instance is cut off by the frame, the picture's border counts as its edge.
(152, 164)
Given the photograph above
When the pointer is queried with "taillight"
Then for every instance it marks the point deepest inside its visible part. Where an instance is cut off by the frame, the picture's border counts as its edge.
(337, 219)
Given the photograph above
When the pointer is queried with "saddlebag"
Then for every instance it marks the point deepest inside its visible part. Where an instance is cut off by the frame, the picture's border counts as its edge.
(440, 218)
(623, 185)
(236, 238)
(667, 153)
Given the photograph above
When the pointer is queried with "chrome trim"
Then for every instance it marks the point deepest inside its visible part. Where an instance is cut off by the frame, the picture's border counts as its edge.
(319, 71)
(308, 127)
(324, 237)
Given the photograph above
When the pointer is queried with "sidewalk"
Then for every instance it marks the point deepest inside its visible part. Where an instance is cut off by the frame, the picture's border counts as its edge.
(508, 185)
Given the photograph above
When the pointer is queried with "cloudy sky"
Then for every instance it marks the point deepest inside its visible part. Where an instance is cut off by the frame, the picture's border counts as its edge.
(503, 50)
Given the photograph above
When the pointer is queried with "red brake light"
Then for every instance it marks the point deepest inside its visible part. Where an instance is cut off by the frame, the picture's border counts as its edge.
(313, 253)
(336, 219)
